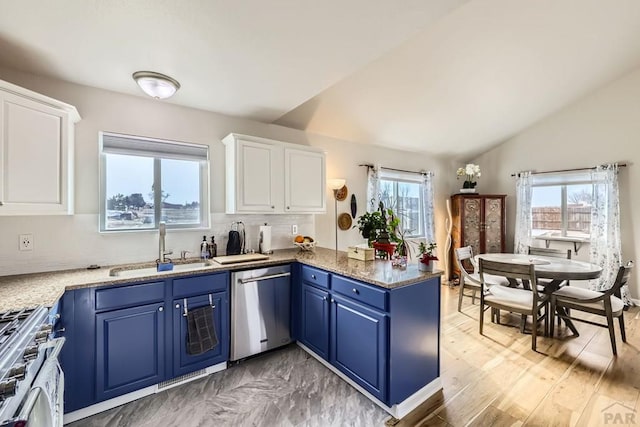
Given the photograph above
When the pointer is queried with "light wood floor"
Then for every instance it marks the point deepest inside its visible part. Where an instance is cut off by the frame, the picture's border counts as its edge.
(496, 379)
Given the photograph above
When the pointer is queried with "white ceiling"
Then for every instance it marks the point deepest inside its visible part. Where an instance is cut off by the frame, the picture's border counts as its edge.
(447, 77)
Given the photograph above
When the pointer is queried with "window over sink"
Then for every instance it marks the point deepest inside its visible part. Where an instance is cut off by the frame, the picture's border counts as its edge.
(145, 181)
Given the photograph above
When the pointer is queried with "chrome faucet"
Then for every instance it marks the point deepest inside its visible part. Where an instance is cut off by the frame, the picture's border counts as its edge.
(162, 228)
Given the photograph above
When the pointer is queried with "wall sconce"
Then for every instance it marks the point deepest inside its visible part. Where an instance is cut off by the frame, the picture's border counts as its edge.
(336, 185)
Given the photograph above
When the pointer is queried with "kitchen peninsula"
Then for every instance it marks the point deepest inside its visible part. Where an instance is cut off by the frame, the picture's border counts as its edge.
(375, 326)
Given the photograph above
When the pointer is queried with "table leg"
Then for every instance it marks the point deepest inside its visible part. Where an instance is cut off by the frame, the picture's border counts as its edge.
(551, 288)
(561, 312)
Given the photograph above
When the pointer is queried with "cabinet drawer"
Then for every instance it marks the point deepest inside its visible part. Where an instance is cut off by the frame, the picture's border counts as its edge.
(200, 285)
(125, 296)
(315, 276)
(360, 292)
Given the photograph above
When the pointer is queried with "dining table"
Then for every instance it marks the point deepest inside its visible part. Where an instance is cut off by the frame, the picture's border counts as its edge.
(556, 269)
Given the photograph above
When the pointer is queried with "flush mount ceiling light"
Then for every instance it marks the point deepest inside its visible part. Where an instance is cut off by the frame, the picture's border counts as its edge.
(155, 84)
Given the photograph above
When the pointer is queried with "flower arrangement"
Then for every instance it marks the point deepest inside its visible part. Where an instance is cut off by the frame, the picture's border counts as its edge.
(470, 173)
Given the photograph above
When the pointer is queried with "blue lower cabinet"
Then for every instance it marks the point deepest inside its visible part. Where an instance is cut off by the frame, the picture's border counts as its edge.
(359, 344)
(183, 362)
(314, 324)
(130, 349)
(386, 340)
(122, 338)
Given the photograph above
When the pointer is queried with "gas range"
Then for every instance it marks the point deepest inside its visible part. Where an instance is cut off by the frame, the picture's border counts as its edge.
(30, 377)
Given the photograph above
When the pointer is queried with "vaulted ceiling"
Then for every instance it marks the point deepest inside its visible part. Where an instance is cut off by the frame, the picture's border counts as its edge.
(447, 77)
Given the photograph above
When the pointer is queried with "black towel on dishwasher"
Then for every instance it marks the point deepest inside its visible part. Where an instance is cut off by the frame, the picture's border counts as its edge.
(201, 331)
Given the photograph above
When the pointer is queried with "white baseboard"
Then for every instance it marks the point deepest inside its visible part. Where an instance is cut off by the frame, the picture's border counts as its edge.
(134, 395)
(398, 410)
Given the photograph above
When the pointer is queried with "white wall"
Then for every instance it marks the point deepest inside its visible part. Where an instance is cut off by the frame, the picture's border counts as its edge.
(602, 127)
(74, 242)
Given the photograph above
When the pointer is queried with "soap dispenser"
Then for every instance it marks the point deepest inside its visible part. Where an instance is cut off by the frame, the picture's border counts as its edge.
(204, 248)
(213, 247)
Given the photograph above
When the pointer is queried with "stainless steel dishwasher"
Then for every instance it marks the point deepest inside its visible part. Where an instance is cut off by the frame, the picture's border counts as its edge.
(260, 310)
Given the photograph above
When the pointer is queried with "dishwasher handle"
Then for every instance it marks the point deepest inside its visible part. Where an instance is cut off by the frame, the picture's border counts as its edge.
(258, 279)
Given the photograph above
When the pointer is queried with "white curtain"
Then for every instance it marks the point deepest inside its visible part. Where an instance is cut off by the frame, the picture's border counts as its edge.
(524, 192)
(426, 189)
(427, 207)
(373, 188)
(605, 248)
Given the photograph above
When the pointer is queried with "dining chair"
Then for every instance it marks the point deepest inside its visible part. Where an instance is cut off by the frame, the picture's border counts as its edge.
(515, 300)
(471, 281)
(555, 253)
(607, 304)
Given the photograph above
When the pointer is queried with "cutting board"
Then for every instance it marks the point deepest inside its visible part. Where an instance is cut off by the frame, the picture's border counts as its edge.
(231, 259)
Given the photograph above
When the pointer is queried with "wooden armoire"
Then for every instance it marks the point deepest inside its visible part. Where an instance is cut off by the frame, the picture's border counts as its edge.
(478, 220)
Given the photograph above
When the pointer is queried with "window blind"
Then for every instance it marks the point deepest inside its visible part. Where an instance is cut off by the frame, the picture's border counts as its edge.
(113, 143)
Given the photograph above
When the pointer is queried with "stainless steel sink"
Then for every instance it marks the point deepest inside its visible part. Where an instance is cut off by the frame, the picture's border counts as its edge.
(151, 269)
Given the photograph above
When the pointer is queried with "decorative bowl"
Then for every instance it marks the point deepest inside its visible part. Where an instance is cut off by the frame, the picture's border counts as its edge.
(306, 246)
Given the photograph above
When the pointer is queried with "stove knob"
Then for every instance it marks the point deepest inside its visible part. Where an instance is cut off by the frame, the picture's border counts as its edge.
(7, 388)
(41, 337)
(30, 353)
(46, 328)
(18, 372)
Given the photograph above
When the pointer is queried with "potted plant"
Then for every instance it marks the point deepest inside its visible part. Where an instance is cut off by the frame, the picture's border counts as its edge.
(470, 173)
(369, 225)
(427, 254)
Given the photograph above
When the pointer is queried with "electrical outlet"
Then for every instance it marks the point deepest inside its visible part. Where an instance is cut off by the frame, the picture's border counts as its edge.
(294, 229)
(26, 242)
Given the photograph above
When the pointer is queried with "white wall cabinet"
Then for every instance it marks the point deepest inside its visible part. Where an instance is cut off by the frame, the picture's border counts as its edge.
(267, 176)
(36, 153)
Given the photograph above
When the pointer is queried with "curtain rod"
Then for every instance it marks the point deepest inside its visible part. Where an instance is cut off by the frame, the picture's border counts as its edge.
(370, 166)
(620, 165)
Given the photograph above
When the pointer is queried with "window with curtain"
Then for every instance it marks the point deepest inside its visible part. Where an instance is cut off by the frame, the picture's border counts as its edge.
(146, 181)
(410, 195)
(582, 204)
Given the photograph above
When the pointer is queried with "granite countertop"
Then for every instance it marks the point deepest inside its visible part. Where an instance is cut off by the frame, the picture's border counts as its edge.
(27, 290)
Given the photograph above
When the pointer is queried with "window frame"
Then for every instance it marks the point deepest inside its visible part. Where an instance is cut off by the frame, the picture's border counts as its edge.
(204, 180)
(564, 210)
(398, 178)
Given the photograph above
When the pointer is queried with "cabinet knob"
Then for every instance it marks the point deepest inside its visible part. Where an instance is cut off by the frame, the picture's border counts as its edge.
(288, 207)
(355, 291)
(313, 276)
(273, 207)
(324, 298)
(160, 308)
(1, 203)
(177, 306)
(332, 300)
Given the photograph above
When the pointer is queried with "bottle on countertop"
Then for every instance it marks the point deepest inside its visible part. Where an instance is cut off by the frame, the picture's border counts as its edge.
(213, 247)
(204, 248)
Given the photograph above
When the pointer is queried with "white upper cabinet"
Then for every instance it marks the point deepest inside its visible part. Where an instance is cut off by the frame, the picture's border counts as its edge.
(304, 181)
(267, 176)
(36, 153)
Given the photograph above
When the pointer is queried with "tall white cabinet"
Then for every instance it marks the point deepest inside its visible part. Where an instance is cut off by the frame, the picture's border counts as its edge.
(36, 153)
(268, 176)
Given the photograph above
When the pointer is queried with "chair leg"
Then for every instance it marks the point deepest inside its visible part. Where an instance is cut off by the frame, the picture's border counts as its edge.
(523, 322)
(552, 312)
(612, 334)
(534, 328)
(546, 320)
(481, 315)
(473, 297)
(621, 319)
(460, 294)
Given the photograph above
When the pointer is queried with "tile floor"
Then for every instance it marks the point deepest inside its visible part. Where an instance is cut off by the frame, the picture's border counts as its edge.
(285, 387)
